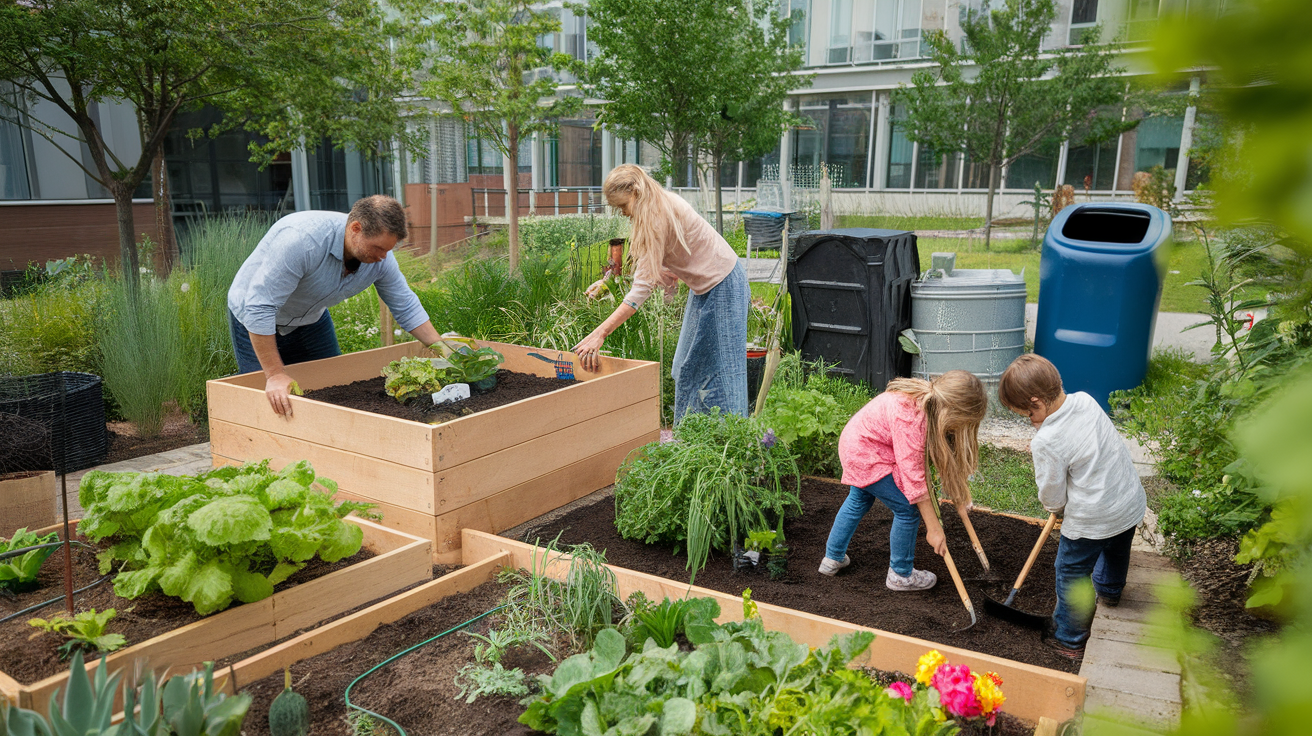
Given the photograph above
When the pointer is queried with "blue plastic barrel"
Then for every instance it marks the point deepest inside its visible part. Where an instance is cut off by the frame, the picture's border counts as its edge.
(1100, 283)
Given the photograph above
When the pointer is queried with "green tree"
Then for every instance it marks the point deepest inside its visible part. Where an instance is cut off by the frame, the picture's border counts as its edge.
(483, 59)
(288, 70)
(757, 66)
(1000, 95)
(693, 76)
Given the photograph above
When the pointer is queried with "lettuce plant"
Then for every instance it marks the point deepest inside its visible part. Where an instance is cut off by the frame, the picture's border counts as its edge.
(411, 377)
(230, 533)
(18, 573)
(84, 632)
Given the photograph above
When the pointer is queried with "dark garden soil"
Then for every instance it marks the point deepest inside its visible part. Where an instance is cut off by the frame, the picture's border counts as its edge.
(125, 444)
(28, 658)
(858, 594)
(368, 395)
(416, 691)
(1222, 587)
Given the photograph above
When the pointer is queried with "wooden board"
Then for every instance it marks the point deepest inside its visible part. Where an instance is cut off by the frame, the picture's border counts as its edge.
(510, 507)
(1032, 692)
(403, 560)
(27, 501)
(362, 623)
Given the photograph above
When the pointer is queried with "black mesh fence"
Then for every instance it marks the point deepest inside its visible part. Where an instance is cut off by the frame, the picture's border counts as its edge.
(51, 421)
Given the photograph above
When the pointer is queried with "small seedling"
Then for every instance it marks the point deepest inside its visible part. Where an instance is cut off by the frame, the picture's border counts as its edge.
(85, 632)
(295, 389)
(661, 623)
(475, 680)
(18, 573)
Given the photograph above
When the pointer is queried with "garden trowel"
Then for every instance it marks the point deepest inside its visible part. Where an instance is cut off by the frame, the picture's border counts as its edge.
(1004, 610)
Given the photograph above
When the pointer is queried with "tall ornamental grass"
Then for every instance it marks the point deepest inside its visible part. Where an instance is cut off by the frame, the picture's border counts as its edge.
(140, 351)
(51, 327)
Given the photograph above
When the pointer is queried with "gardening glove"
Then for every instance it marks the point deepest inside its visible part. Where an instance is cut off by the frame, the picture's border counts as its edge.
(597, 288)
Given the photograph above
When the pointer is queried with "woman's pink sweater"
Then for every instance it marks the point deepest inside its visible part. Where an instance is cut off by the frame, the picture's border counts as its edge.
(886, 436)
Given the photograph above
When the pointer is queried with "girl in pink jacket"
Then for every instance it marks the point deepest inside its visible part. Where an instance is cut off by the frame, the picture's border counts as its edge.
(884, 450)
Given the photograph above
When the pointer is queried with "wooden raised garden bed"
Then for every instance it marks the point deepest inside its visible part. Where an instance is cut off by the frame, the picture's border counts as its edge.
(1034, 694)
(491, 471)
(400, 560)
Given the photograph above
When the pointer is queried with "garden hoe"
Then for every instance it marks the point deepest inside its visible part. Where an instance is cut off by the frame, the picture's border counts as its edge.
(1004, 611)
(961, 589)
(964, 513)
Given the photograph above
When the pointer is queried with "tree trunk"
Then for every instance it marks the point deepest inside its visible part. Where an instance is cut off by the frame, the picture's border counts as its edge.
(512, 193)
(127, 242)
(168, 240)
(988, 207)
(719, 198)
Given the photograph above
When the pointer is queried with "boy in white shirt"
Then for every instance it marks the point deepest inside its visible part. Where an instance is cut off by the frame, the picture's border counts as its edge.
(1084, 472)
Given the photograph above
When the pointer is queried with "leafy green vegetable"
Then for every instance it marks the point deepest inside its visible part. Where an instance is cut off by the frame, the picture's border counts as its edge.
(809, 423)
(85, 631)
(718, 477)
(411, 377)
(230, 533)
(19, 573)
(740, 679)
(472, 366)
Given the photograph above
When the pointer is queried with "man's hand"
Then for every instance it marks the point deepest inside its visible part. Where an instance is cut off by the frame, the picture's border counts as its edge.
(278, 388)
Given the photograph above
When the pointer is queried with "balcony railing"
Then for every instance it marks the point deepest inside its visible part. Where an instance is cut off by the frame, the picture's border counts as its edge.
(491, 203)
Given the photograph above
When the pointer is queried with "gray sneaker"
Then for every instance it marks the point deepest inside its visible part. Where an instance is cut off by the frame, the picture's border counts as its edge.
(831, 567)
(917, 580)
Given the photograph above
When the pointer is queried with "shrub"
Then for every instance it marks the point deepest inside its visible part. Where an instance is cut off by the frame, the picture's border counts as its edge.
(721, 477)
(557, 234)
(807, 408)
(51, 327)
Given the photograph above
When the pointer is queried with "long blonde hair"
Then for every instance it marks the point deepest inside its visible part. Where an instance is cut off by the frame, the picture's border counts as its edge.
(651, 212)
(954, 405)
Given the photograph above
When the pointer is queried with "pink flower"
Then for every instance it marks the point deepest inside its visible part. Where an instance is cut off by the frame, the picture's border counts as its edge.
(900, 690)
(956, 690)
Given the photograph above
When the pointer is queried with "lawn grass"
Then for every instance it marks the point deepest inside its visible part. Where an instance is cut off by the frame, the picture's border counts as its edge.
(909, 222)
(1005, 482)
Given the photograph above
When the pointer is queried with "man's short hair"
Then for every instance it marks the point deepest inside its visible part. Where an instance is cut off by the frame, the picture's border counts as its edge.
(1029, 376)
(379, 214)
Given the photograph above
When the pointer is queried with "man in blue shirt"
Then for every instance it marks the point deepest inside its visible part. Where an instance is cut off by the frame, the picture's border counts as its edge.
(307, 262)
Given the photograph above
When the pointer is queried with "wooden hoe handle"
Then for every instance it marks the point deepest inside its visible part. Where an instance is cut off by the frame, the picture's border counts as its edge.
(964, 513)
(961, 587)
(1034, 553)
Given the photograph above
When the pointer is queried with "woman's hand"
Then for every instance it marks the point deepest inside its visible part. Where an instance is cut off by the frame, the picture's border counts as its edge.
(589, 350)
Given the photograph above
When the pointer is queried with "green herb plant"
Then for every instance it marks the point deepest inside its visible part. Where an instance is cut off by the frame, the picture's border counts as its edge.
(723, 474)
(472, 365)
(574, 609)
(232, 533)
(482, 680)
(411, 377)
(84, 632)
(667, 620)
(739, 679)
(18, 573)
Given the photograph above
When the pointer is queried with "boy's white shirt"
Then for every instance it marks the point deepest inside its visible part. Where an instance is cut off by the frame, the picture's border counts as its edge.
(1083, 468)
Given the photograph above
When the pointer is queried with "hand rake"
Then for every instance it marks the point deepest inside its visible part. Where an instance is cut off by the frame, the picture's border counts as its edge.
(564, 368)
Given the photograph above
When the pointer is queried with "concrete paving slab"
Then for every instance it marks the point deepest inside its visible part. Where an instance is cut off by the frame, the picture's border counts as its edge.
(1156, 685)
(1099, 651)
(1114, 705)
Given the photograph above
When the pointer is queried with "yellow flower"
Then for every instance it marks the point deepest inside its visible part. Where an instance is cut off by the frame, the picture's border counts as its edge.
(928, 664)
(988, 693)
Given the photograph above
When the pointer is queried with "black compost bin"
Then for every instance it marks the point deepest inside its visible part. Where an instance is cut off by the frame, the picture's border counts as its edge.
(71, 406)
(851, 296)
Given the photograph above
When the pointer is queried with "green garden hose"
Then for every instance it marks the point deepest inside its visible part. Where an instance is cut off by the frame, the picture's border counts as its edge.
(397, 656)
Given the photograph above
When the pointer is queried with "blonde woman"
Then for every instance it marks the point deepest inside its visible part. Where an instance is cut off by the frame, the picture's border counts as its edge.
(885, 450)
(669, 241)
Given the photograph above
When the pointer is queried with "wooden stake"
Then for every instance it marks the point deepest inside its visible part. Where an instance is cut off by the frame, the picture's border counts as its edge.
(772, 355)
(68, 545)
(385, 323)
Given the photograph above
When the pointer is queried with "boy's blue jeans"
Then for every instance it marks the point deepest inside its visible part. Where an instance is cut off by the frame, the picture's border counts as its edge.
(1108, 560)
(901, 535)
(307, 342)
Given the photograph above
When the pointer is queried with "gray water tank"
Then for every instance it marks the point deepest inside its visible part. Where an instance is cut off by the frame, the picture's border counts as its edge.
(967, 319)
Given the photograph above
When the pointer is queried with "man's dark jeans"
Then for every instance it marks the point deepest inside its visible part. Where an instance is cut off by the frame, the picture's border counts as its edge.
(307, 342)
(1109, 562)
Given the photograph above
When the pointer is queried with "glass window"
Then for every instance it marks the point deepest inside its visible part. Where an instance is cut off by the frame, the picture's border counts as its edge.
(1096, 163)
(1039, 166)
(840, 28)
(937, 170)
(13, 156)
(1157, 142)
(1084, 11)
(899, 150)
(578, 154)
(797, 13)
(838, 135)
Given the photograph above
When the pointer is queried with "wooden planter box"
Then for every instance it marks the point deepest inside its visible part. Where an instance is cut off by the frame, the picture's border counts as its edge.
(401, 560)
(27, 500)
(1034, 694)
(1038, 695)
(490, 471)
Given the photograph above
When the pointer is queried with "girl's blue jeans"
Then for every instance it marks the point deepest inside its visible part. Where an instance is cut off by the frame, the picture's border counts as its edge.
(1107, 561)
(710, 363)
(901, 535)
